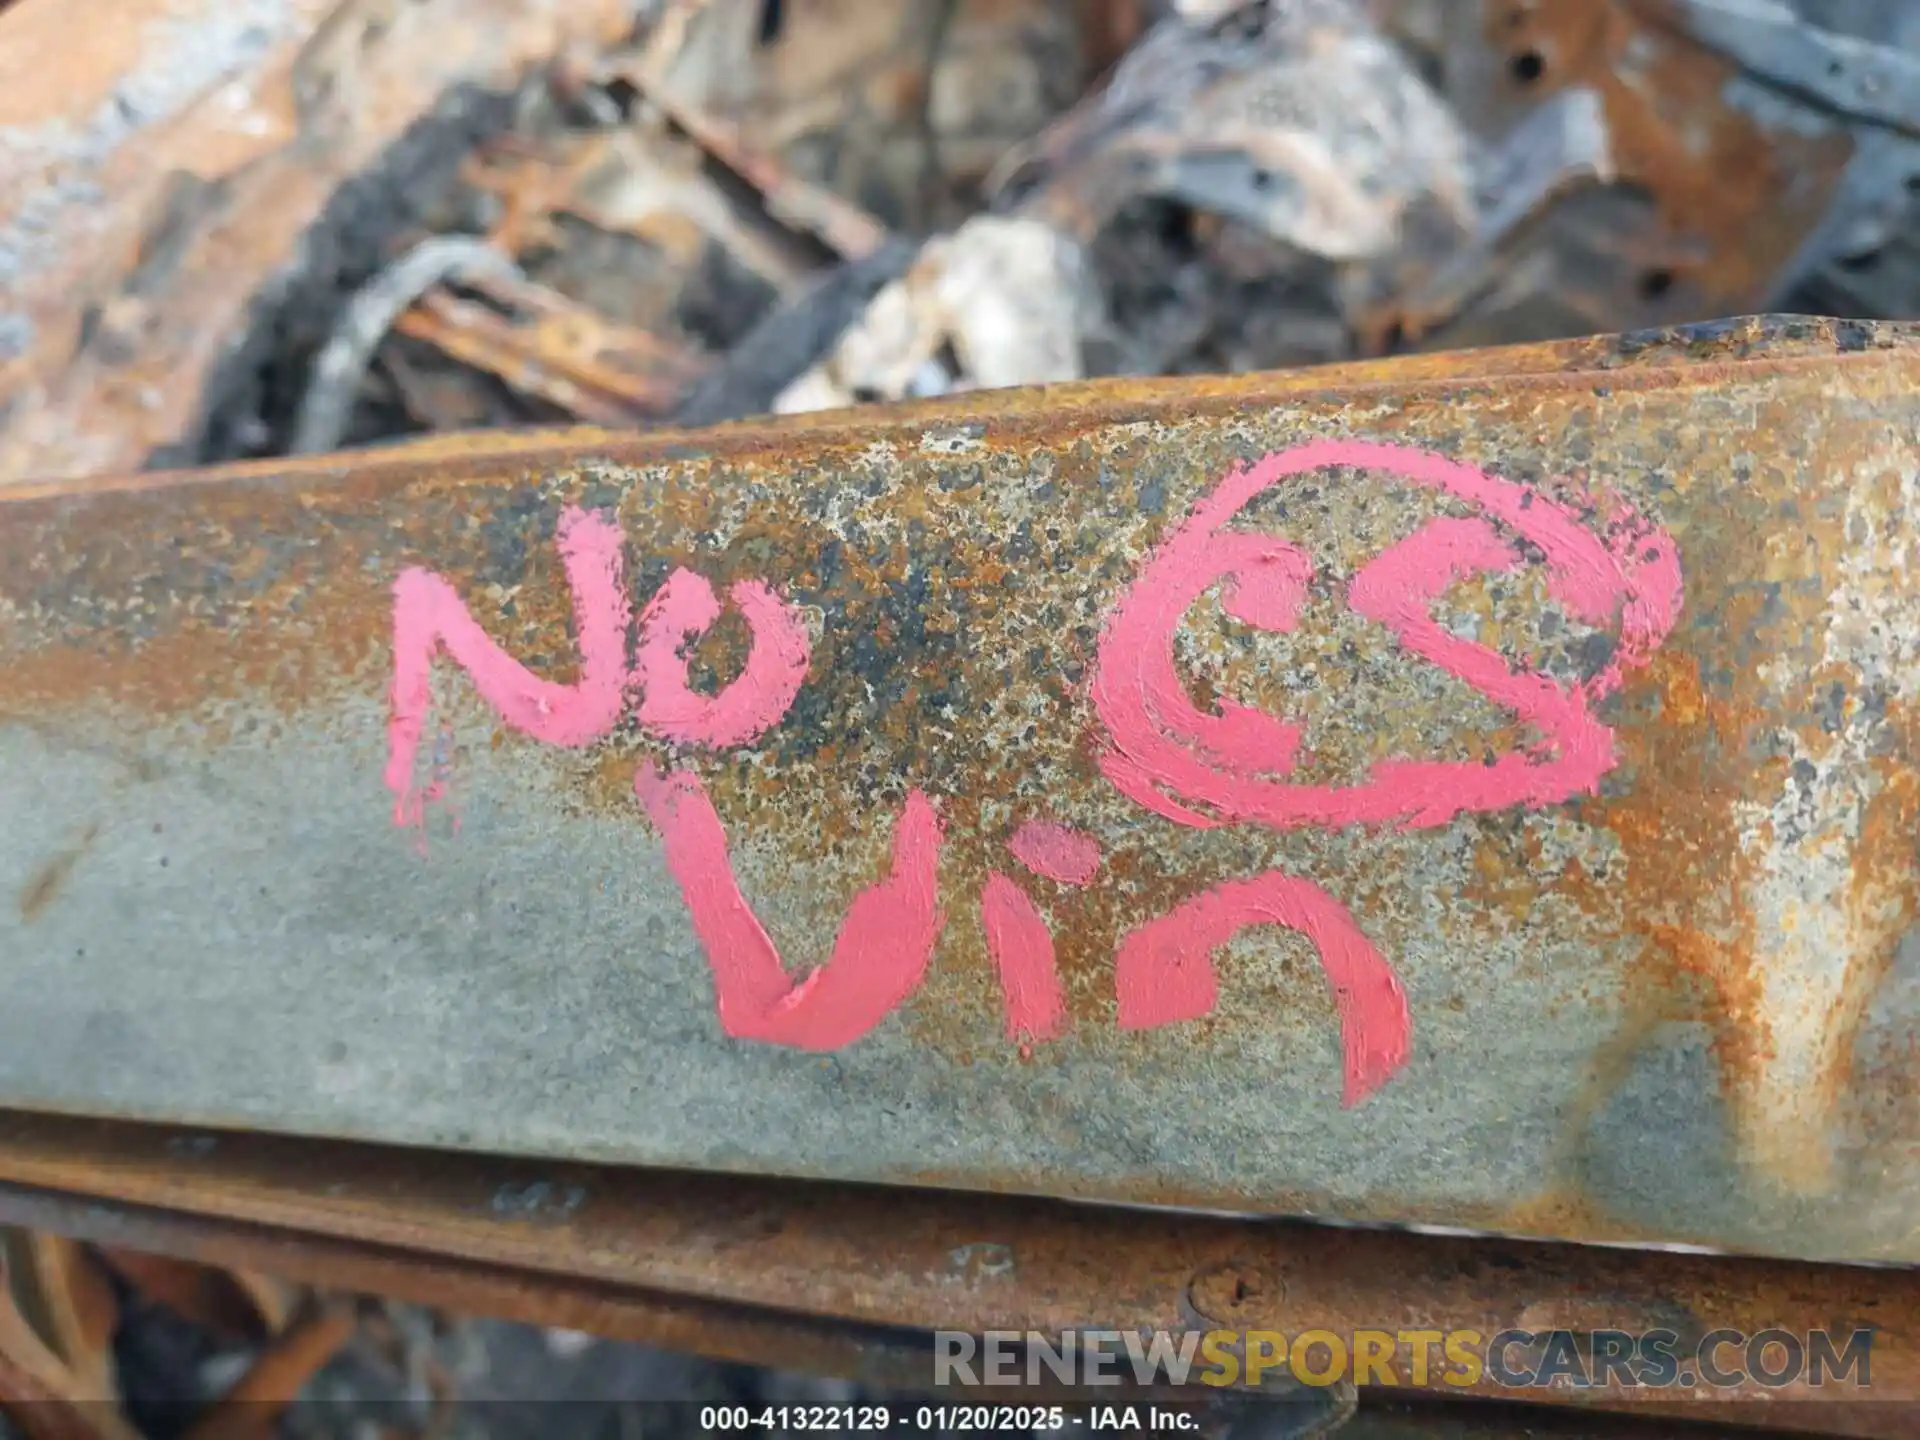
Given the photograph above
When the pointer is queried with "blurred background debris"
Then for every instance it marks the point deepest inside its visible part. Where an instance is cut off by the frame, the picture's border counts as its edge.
(704, 209)
(109, 1344)
(249, 229)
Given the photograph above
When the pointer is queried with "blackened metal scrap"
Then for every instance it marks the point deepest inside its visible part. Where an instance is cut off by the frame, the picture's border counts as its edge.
(793, 338)
(1300, 120)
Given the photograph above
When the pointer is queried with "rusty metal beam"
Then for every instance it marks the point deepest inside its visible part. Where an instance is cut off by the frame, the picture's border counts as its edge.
(1474, 789)
(849, 1279)
(747, 1335)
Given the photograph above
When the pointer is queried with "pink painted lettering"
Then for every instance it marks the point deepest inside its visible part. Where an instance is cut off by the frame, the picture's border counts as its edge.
(681, 611)
(1170, 756)
(1200, 768)
(1165, 973)
(1056, 852)
(1022, 950)
(879, 956)
(1397, 589)
(428, 613)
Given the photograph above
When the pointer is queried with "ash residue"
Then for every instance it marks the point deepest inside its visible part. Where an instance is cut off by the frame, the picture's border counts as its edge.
(252, 397)
(181, 60)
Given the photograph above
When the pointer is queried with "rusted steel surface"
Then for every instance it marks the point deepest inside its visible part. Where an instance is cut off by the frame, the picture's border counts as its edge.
(896, 1357)
(1724, 191)
(895, 1360)
(722, 1264)
(1575, 904)
(748, 1335)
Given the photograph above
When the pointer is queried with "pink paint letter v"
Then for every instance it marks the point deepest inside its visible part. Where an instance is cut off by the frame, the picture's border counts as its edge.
(879, 956)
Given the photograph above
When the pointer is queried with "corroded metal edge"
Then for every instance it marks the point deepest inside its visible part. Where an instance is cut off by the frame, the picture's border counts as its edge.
(748, 1269)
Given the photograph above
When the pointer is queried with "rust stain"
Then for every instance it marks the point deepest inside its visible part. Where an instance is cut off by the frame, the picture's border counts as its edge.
(1692, 818)
(1559, 1209)
(228, 671)
(1885, 891)
(887, 1256)
(1682, 877)
(44, 887)
(1739, 195)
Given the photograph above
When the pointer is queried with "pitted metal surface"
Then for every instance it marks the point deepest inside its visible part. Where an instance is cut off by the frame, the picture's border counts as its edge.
(1631, 967)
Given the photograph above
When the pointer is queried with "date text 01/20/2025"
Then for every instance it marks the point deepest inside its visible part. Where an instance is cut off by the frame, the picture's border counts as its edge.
(1025, 1419)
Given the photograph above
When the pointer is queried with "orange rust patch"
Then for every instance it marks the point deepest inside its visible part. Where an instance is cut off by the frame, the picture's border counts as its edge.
(1680, 882)
(193, 670)
(1560, 1212)
(1883, 896)
(1744, 195)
